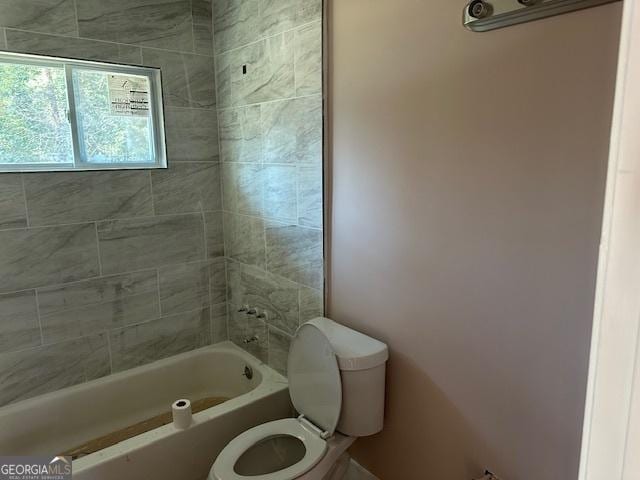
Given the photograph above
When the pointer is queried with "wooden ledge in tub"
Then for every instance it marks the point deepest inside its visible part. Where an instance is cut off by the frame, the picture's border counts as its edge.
(113, 438)
(59, 421)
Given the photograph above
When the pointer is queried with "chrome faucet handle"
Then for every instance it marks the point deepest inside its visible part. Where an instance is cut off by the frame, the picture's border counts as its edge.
(249, 340)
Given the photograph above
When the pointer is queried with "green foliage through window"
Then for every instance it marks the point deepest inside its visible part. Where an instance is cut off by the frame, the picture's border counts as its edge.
(111, 120)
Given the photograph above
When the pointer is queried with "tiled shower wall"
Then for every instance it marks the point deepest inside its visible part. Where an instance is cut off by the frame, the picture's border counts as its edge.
(268, 56)
(104, 271)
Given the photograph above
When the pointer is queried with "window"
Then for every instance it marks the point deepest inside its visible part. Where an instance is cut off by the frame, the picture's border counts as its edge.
(60, 114)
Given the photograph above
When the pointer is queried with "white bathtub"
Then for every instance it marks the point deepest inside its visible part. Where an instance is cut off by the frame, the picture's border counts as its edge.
(52, 423)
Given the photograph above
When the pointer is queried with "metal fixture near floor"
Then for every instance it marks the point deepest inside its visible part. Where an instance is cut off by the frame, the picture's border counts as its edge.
(253, 311)
(481, 15)
(249, 340)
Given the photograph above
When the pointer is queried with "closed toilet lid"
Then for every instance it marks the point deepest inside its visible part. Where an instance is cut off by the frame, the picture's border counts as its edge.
(242, 458)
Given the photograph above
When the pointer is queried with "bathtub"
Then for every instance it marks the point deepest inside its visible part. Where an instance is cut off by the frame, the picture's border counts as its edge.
(52, 423)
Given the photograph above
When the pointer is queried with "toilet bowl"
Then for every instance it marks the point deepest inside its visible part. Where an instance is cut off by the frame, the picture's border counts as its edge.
(336, 383)
(280, 450)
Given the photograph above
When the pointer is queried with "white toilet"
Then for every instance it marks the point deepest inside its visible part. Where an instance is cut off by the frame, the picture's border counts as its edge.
(336, 383)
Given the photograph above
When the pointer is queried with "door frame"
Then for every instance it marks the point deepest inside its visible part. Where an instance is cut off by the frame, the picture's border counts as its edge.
(611, 429)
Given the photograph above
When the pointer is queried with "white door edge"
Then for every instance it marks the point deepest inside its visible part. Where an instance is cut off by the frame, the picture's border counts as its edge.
(611, 430)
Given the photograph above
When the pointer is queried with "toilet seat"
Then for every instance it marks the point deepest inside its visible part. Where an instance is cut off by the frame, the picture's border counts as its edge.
(315, 447)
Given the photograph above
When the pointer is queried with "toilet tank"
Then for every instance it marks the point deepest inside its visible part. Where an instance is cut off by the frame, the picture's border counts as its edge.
(362, 363)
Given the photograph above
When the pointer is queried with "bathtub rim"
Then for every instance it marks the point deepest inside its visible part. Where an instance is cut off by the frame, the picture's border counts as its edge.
(271, 382)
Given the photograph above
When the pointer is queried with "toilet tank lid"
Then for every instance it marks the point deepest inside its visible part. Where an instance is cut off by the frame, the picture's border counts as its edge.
(355, 350)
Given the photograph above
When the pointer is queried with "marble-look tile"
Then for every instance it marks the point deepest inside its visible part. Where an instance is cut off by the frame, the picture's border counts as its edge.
(276, 296)
(203, 39)
(242, 186)
(36, 257)
(184, 287)
(136, 244)
(47, 16)
(235, 23)
(47, 368)
(201, 80)
(187, 80)
(245, 327)
(73, 197)
(223, 64)
(295, 253)
(214, 234)
(308, 59)
(187, 187)
(144, 343)
(219, 332)
(218, 281)
(82, 308)
(244, 239)
(311, 303)
(280, 196)
(292, 131)
(280, 15)
(152, 23)
(12, 205)
(269, 72)
(279, 344)
(201, 11)
(241, 134)
(310, 196)
(191, 135)
(19, 327)
(175, 89)
(29, 42)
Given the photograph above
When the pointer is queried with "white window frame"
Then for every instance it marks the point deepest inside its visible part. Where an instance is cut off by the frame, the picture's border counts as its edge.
(80, 163)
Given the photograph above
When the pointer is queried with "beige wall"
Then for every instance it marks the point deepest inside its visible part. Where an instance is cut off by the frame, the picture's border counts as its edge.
(468, 176)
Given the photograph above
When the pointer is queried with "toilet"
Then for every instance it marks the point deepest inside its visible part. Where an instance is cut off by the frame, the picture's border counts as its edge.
(336, 384)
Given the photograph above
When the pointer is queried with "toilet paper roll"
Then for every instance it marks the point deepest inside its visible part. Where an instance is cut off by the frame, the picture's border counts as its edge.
(181, 410)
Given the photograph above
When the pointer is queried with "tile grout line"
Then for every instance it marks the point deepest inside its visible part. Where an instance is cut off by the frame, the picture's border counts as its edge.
(153, 203)
(75, 12)
(109, 349)
(26, 206)
(102, 220)
(273, 220)
(89, 279)
(95, 225)
(267, 37)
(158, 291)
(267, 102)
(37, 299)
(110, 42)
(107, 332)
(299, 286)
(221, 183)
(211, 340)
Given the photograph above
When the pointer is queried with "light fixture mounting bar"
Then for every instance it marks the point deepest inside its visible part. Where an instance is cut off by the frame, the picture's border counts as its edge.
(484, 15)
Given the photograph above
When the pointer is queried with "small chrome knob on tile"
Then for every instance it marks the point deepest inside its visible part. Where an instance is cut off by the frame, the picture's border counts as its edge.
(244, 308)
(249, 340)
(252, 311)
(261, 314)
